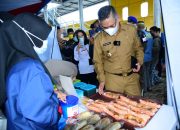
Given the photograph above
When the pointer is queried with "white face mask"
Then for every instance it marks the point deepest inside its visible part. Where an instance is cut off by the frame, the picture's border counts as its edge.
(113, 30)
(38, 50)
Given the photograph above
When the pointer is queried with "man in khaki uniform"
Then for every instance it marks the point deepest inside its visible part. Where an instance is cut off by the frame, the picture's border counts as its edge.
(113, 49)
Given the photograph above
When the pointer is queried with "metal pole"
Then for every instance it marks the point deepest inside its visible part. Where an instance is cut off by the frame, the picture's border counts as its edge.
(109, 2)
(80, 4)
(157, 13)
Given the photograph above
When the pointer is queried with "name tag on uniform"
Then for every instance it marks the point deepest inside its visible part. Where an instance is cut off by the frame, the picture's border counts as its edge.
(117, 43)
(107, 43)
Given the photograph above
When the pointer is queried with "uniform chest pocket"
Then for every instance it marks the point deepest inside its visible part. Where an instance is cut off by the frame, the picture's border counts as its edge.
(109, 51)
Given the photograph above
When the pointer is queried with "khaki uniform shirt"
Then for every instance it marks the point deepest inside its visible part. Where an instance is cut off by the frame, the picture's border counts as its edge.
(116, 59)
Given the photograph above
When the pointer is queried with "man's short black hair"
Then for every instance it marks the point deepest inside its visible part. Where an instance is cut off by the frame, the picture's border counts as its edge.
(105, 12)
(69, 30)
(140, 22)
(155, 29)
(92, 26)
(158, 30)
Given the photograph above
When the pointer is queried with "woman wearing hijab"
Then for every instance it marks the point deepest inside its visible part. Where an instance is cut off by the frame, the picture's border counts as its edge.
(26, 86)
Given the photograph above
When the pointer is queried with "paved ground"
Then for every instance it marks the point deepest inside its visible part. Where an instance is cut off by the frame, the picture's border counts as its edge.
(158, 91)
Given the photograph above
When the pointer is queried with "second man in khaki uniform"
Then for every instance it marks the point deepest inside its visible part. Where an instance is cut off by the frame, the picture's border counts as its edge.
(113, 50)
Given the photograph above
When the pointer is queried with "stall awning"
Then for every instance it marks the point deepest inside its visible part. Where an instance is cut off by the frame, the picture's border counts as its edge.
(19, 6)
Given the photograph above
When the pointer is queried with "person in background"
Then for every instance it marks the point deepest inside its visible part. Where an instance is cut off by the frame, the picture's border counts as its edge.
(132, 20)
(26, 87)
(95, 28)
(67, 47)
(92, 32)
(83, 58)
(161, 63)
(113, 49)
(60, 37)
(155, 32)
(147, 43)
(70, 33)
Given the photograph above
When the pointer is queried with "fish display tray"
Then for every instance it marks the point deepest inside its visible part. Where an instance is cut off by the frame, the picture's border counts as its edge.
(127, 125)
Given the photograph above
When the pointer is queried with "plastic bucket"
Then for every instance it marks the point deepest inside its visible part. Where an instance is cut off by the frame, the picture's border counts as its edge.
(70, 108)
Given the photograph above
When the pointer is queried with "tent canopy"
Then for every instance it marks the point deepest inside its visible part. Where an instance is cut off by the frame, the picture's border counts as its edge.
(19, 6)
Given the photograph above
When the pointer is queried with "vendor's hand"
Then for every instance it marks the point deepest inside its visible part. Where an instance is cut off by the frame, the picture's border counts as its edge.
(137, 69)
(79, 46)
(101, 88)
(61, 96)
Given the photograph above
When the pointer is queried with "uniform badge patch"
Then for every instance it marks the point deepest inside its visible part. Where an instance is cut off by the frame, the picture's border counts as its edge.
(107, 43)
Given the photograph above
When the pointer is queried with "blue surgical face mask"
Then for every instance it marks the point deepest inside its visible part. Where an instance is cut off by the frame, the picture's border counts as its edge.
(81, 41)
(75, 38)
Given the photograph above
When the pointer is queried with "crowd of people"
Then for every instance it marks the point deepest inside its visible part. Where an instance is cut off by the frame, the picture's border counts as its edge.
(80, 51)
(118, 57)
(154, 55)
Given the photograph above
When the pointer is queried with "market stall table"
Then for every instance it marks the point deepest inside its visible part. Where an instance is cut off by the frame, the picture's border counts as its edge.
(164, 119)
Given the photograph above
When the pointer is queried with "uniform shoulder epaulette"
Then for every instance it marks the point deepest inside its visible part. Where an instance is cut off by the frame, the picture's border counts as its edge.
(128, 26)
(97, 35)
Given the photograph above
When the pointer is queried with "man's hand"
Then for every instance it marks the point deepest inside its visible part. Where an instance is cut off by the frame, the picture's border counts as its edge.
(91, 39)
(101, 88)
(137, 69)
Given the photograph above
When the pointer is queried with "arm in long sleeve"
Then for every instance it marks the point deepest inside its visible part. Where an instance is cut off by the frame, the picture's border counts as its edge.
(98, 62)
(76, 54)
(37, 101)
(138, 49)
